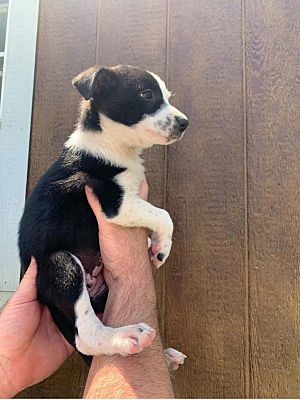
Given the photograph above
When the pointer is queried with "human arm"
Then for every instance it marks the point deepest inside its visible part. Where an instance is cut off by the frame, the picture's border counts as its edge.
(131, 299)
(31, 346)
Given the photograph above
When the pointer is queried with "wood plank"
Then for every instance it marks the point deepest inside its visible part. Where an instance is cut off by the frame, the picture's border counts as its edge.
(206, 289)
(66, 46)
(141, 43)
(67, 383)
(273, 108)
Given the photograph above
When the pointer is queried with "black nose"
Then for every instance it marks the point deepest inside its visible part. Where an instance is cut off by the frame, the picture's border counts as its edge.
(182, 122)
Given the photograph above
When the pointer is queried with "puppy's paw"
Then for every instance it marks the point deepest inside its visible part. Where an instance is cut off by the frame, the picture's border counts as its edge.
(132, 339)
(160, 250)
(174, 358)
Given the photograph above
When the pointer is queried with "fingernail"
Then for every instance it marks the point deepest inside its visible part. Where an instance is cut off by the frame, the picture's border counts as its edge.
(89, 189)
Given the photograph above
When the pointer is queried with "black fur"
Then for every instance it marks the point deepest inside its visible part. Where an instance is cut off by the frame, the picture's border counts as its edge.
(57, 215)
(89, 118)
(117, 93)
(57, 219)
(64, 279)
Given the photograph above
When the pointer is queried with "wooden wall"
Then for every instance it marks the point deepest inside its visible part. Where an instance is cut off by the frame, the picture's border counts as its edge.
(229, 294)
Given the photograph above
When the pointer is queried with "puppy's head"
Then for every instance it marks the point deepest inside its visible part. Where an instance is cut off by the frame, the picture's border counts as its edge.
(131, 103)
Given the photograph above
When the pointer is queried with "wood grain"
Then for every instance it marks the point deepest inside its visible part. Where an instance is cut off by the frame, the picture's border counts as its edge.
(141, 43)
(66, 46)
(206, 285)
(273, 105)
(229, 294)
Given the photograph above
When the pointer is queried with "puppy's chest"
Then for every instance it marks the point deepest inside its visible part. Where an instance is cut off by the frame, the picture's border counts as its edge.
(131, 179)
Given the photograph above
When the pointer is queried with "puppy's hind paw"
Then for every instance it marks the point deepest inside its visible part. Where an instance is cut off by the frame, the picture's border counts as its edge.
(132, 339)
(174, 358)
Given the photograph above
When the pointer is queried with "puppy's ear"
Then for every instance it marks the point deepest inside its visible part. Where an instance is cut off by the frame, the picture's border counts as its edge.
(92, 79)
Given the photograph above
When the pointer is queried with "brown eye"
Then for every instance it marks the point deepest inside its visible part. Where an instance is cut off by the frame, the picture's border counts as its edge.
(147, 94)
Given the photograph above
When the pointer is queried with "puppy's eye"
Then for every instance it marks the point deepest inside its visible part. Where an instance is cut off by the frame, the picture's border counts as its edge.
(147, 94)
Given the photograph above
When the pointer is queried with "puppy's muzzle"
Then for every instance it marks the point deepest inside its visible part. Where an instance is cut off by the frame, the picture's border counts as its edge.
(178, 128)
(182, 123)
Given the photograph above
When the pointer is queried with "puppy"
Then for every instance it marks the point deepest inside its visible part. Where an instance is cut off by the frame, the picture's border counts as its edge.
(124, 110)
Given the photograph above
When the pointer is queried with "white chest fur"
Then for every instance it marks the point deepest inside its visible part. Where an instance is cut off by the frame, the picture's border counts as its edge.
(104, 146)
(131, 178)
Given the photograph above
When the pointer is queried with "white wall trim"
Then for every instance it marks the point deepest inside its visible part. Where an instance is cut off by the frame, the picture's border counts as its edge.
(4, 297)
(16, 110)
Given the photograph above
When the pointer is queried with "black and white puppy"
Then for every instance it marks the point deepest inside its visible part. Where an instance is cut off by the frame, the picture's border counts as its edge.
(125, 110)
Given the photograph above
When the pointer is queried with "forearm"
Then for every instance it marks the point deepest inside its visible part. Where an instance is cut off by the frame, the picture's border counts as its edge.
(143, 375)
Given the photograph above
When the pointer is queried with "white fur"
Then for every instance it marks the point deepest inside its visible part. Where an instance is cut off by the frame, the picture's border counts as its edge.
(151, 124)
(121, 145)
(94, 338)
(165, 92)
(167, 111)
(107, 144)
(134, 212)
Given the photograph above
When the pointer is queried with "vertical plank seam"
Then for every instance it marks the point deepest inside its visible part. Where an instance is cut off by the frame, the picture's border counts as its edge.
(29, 155)
(97, 47)
(29, 162)
(166, 160)
(247, 334)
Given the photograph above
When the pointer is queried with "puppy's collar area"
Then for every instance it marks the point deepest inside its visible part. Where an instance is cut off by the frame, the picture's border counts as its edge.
(103, 145)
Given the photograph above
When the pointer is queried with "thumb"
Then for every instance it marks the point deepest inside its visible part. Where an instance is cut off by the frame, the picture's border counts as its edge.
(95, 205)
(26, 290)
(144, 189)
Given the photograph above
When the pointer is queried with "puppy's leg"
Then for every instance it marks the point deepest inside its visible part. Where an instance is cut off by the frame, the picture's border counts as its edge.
(61, 285)
(174, 358)
(136, 212)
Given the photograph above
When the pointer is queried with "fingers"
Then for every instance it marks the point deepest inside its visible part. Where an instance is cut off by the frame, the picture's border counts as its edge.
(104, 226)
(49, 322)
(26, 290)
(144, 189)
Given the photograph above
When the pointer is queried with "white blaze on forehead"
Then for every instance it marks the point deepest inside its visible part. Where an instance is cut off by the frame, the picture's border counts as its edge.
(165, 92)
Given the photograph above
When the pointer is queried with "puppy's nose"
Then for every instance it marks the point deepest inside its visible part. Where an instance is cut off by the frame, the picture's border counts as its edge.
(182, 122)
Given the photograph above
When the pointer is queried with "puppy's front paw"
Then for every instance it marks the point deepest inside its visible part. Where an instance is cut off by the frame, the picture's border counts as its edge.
(161, 240)
(174, 358)
(160, 250)
(132, 339)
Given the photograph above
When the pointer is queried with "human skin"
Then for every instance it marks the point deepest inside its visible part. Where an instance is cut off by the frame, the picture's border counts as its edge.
(131, 300)
(32, 347)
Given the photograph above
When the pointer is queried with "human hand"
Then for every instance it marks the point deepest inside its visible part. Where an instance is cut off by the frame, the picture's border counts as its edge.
(31, 346)
(124, 251)
(131, 300)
